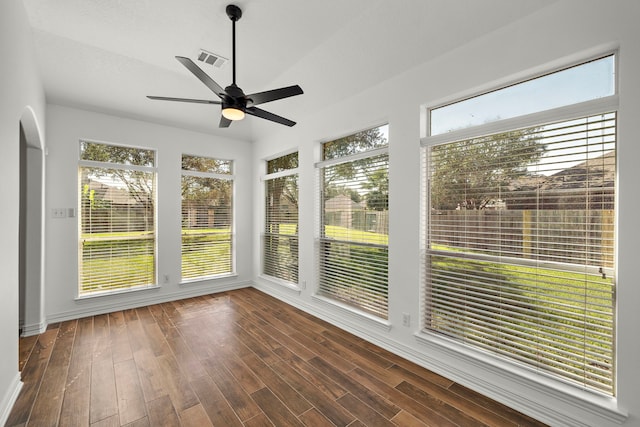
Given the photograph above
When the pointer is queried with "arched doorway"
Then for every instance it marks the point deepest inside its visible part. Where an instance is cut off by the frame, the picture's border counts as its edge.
(31, 233)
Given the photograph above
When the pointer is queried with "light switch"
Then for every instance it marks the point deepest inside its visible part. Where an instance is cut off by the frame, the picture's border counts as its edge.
(59, 213)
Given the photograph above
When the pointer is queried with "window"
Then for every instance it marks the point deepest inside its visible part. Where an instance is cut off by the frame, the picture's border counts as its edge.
(207, 217)
(117, 218)
(520, 248)
(280, 238)
(354, 223)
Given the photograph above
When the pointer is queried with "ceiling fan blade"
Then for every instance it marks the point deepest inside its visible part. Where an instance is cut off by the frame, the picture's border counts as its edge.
(201, 75)
(254, 111)
(224, 122)
(197, 101)
(272, 95)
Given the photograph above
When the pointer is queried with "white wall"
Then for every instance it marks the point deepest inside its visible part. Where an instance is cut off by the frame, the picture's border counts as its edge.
(65, 127)
(560, 34)
(20, 87)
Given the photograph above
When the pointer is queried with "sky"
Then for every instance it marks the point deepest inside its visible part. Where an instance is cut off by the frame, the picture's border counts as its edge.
(592, 80)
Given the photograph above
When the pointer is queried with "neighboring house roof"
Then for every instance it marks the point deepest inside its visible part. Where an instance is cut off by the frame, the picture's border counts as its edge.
(566, 188)
(342, 202)
(115, 195)
(601, 172)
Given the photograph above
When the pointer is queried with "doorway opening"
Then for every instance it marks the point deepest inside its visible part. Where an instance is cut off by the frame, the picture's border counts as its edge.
(31, 227)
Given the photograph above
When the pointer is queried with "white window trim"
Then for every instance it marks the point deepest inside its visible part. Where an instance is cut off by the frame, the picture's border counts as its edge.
(291, 285)
(287, 172)
(372, 320)
(116, 292)
(187, 282)
(111, 165)
(353, 157)
(197, 174)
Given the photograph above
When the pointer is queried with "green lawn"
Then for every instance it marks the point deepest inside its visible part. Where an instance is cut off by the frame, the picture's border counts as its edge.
(206, 252)
(356, 236)
(124, 260)
(113, 261)
(529, 312)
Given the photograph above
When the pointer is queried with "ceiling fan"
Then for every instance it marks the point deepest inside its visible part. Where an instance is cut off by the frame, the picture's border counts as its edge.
(235, 104)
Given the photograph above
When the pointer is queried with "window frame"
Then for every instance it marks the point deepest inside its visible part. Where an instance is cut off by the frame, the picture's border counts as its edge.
(579, 110)
(83, 163)
(264, 179)
(495, 88)
(375, 319)
(213, 175)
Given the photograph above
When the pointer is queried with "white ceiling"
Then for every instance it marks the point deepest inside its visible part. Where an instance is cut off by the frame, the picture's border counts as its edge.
(107, 55)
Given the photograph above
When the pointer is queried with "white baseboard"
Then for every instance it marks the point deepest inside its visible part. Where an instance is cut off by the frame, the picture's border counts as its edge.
(37, 329)
(9, 398)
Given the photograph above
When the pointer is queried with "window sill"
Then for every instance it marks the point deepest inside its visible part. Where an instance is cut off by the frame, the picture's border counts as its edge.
(115, 292)
(488, 367)
(372, 320)
(285, 284)
(203, 279)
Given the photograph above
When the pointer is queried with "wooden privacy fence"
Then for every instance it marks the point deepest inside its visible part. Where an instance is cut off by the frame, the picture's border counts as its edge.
(572, 236)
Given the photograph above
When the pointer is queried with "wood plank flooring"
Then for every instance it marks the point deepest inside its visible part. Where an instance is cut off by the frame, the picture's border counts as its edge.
(238, 358)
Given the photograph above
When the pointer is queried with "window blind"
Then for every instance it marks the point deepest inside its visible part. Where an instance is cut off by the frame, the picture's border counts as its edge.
(280, 237)
(520, 246)
(207, 217)
(117, 218)
(353, 243)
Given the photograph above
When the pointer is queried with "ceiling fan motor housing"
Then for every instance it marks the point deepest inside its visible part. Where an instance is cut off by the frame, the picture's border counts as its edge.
(234, 98)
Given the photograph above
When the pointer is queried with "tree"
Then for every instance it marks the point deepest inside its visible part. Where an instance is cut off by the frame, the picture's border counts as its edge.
(281, 187)
(204, 194)
(139, 184)
(336, 177)
(284, 187)
(378, 185)
(348, 145)
(471, 173)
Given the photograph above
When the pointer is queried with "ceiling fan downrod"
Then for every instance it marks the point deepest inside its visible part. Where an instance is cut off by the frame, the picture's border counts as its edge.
(234, 13)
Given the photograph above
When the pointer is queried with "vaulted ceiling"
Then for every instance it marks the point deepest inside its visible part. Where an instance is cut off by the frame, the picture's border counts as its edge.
(107, 55)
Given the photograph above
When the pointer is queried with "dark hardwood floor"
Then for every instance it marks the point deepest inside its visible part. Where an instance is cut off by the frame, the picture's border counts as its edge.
(238, 358)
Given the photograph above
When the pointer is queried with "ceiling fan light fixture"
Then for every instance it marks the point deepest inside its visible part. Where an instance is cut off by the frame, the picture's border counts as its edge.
(232, 113)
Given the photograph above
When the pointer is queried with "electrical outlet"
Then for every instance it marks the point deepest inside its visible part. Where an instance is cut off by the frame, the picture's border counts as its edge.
(406, 319)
